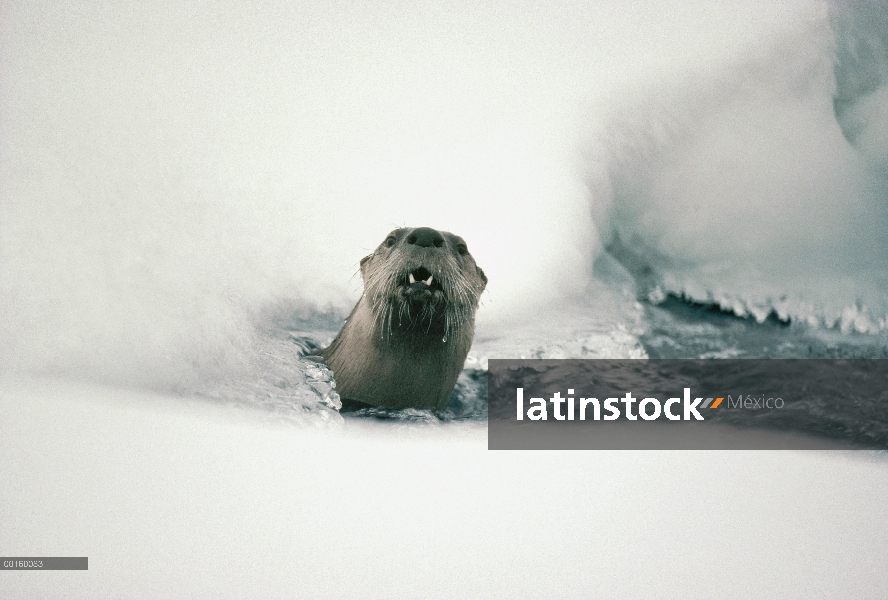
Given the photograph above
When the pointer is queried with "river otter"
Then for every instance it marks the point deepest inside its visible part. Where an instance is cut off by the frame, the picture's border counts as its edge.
(406, 340)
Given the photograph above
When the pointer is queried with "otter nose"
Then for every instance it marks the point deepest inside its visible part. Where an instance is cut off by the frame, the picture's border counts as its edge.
(426, 237)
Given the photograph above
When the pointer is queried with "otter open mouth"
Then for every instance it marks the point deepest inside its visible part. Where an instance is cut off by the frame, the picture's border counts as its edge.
(421, 279)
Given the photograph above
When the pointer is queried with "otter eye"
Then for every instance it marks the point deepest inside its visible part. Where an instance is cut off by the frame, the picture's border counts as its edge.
(462, 249)
(390, 241)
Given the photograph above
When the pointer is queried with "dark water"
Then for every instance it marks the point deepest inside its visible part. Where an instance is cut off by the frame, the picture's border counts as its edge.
(677, 329)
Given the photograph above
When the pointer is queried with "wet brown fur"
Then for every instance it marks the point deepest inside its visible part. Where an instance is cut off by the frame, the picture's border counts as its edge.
(402, 347)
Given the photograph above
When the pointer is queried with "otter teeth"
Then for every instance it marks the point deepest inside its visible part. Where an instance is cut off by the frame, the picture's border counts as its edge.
(428, 281)
(412, 279)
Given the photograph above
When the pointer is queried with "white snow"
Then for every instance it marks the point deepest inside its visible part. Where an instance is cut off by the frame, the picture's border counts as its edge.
(175, 499)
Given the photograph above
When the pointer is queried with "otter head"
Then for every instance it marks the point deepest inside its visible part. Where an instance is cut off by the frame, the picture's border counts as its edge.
(406, 340)
(422, 282)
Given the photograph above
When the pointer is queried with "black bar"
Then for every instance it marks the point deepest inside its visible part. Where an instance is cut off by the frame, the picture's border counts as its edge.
(766, 404)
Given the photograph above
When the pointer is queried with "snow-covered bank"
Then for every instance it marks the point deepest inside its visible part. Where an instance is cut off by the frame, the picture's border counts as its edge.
(747, 186)
(170, 498)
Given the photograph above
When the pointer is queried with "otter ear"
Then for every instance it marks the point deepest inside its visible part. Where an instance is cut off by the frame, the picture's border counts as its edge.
(483, 276)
